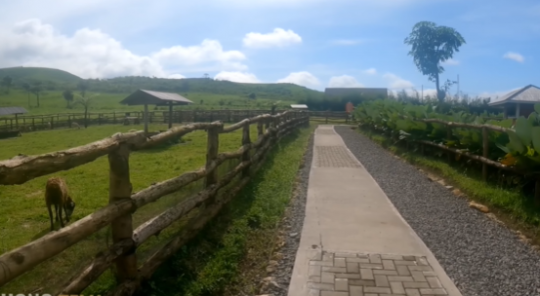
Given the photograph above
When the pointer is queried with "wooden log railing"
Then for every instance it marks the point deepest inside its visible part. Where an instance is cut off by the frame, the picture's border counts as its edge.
(123, 203)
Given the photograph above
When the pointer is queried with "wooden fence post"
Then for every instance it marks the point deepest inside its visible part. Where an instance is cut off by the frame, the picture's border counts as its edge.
(537, 192)
(114, 117)
(260, 129)
(122, 228)
(212, 149)
(448, 138)
(52, 122)
(33, 124)
(485, 141)
(247, 153)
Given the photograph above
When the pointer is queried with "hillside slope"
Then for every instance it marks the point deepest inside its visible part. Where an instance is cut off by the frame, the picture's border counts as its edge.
(59, 80)
(202, 85)
(31, 74)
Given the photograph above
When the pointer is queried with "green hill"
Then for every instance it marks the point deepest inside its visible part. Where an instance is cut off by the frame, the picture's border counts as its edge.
(46, 75)
(203, 85)
(54, 79)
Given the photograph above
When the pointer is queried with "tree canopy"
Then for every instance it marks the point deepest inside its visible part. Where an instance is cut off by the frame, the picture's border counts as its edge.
(431, 45)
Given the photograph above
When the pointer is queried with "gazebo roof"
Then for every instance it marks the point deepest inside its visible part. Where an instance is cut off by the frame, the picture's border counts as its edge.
(528, 94)
(150, 97)
(12, 110)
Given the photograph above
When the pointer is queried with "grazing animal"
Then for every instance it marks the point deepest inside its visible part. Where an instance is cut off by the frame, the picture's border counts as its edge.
(56, 193)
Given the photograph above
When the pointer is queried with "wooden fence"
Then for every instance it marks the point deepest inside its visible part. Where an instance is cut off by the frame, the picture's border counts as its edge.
(484, 158)
(66, 120)
(29, 123)
(123, 203)
(330, 115)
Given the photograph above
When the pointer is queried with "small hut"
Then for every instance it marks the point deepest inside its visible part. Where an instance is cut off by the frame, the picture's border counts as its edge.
(519, 102)
(5, 111)
(299, 107)
(150, 97)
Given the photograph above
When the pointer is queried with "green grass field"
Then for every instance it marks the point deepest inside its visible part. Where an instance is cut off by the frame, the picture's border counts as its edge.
(52, 102)
(25, 216)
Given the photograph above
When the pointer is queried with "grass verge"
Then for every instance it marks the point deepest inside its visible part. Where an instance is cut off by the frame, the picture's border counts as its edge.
(246, 228)
(510, 206)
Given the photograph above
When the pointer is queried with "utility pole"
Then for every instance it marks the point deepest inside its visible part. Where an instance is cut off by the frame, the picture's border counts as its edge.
(459, 95)
(422, 92)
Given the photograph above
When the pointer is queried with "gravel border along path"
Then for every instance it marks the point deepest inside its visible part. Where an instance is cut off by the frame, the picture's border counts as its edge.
(291, 226)
(482, 257)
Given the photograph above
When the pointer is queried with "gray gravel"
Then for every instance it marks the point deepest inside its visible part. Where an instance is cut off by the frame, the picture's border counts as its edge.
(292, 228)
(482, 257)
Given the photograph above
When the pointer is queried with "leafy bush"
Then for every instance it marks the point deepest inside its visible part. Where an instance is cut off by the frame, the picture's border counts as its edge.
(519, 146)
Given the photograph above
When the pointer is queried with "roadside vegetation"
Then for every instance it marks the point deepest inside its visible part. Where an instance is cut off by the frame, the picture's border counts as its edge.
(247, 227)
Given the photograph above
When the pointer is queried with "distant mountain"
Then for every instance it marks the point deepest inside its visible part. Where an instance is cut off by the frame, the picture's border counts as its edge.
(31, 74)
(204, 85)
(59, 80)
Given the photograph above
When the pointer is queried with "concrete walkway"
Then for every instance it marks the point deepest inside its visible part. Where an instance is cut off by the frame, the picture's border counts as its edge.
(354, 242)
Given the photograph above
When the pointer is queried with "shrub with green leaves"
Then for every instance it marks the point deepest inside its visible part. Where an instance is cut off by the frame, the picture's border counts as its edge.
(519, 146)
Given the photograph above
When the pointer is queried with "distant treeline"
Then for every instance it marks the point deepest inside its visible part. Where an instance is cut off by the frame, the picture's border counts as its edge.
(286, 91)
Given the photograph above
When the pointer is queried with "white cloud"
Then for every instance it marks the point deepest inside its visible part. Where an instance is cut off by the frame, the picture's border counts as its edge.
(94, 54)
(176, 76)
(514, 56)
(344, 81)
(209, 51)
(277, 38)
(451, 62)
(395, 81)
(237, 77)
(412, 92)
(371, 71)
(302, 78)
(346, 42)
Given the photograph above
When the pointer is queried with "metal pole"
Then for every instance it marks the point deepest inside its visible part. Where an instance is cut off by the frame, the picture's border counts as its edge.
(422, 93)
(146, 118)
(170, 114)
(459, 97)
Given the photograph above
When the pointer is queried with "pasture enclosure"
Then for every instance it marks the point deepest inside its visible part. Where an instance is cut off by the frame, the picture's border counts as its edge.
(27, 123)
(197, 209)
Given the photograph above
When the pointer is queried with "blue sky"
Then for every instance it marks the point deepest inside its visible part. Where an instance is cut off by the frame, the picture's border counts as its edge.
(315, 43)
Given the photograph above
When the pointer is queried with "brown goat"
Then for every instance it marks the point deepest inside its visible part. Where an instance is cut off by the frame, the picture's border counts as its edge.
(56, 193)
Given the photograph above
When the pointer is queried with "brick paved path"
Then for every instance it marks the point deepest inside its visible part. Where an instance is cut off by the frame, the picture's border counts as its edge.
(344, 274)
(354, 242)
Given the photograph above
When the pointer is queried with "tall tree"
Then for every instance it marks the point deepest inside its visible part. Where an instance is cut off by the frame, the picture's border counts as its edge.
(68, 96)
(28, 89)
(6, 82)
(83, 87)
(86, 102)
(36, 89)
(431, 45)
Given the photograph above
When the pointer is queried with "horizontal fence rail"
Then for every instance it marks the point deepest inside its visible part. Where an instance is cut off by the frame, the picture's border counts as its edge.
(123, 203)
(28, 123)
